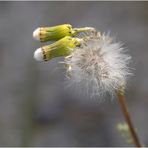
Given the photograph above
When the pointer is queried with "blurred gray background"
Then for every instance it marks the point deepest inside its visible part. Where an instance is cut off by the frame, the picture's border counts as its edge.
(36, 109)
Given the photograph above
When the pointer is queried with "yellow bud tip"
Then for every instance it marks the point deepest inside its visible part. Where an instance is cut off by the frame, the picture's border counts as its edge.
(38, 55)
(36, 34)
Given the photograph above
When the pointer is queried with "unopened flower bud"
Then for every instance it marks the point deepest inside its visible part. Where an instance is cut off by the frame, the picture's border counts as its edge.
(54, 33)
(62, 47)
(44, 34)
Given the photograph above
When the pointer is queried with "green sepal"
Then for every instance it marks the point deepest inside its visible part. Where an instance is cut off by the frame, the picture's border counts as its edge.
(56, 32)
(62, 47)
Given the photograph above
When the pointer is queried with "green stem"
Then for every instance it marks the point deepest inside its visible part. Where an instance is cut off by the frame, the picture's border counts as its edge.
(84, 29)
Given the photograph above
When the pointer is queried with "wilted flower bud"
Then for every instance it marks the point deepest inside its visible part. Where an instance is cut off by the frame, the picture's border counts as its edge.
(63, 47)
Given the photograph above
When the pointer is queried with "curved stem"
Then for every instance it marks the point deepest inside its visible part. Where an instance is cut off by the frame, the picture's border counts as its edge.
(125, 111)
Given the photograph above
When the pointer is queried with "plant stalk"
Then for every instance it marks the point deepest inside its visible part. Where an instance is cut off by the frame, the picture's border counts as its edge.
(127, 116)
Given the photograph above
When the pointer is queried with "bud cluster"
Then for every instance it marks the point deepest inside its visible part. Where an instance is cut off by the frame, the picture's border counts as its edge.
(64, 37)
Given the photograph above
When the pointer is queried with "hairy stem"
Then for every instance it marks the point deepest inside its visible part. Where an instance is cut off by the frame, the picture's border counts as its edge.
(127, 116)
(85, 29)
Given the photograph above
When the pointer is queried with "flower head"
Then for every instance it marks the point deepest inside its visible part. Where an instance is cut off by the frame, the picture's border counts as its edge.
(93, 60)
(100, 65)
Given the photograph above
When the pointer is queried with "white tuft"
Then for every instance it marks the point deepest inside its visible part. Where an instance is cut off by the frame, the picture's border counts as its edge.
(38, 55)
(99, 66)
(36, 34)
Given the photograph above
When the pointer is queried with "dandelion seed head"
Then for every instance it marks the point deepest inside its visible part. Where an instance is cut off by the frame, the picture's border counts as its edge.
(100, 64)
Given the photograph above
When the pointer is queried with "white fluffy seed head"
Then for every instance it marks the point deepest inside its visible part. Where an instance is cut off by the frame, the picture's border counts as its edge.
(36, 34)
(100, 66)
(38, 55)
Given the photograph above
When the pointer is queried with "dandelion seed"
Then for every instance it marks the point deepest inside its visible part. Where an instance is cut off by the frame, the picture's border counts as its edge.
(100, 64)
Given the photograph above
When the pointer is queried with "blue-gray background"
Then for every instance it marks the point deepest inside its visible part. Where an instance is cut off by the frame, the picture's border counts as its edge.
(35, 107)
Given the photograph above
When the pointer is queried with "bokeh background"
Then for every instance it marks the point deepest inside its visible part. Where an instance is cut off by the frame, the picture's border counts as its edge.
(36, 107)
